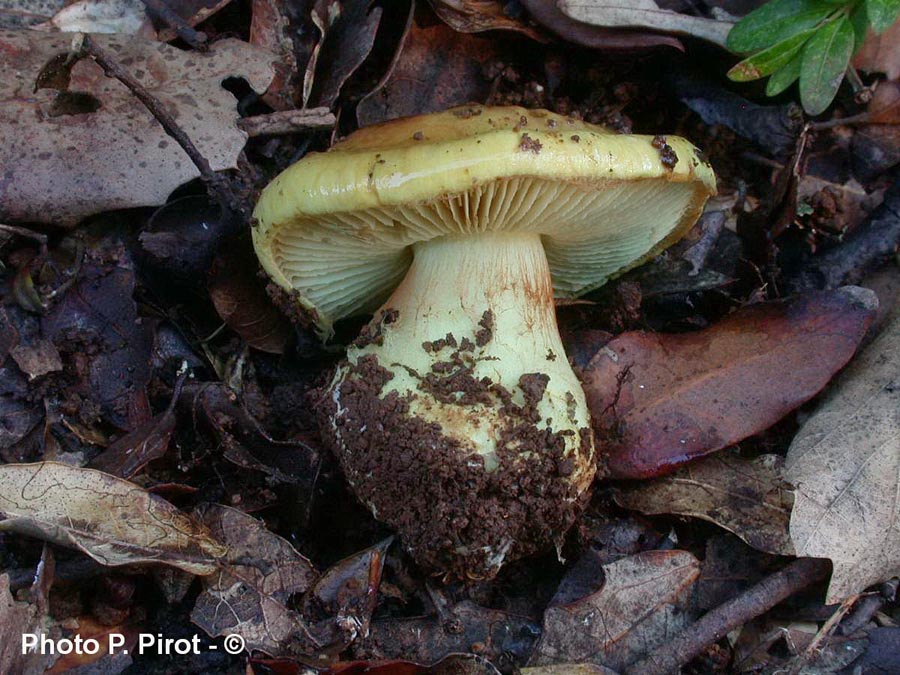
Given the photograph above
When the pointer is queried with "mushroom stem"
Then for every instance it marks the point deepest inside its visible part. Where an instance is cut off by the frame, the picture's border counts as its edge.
(468, 346)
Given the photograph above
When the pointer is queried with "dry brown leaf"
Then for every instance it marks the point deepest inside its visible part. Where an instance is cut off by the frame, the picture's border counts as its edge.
(747, 497)
(62, 167)
(645, 14)
(16, 619)
(435, 68)
(881, 53)
(111, 520)
(248, 595)
(103, 16)
(845, 465)
(641, 605)
(660, 400)
(477, 16)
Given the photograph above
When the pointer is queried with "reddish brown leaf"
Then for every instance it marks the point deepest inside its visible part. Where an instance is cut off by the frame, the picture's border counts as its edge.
(240, 298)
(659, 401)
(436, 68)
(129, 454)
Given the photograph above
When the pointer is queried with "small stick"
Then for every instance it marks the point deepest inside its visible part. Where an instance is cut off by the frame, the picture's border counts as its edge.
(851, 121)
(24, 232)
(162, 11)
(286, 122)
(718, 622)
(216, 183)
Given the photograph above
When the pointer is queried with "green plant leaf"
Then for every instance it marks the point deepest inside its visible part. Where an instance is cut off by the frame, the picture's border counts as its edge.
(774, 22)
(784, 77)
(882, 13)
(825, 59)
(860, 22)
(769, 60)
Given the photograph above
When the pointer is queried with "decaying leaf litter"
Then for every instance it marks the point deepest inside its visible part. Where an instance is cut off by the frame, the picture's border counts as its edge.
(148, 370)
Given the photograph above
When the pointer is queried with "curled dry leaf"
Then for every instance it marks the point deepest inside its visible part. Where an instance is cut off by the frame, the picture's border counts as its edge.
(845, 464)
(249, 593)
(63, 163)
(747, 497)
(134, 450)
(348, 592)
(645, 14)
(549, 15)
(641, 605)
(477, 16)
(347, 43)
(111, 520)
(658, 401)
(436, 68)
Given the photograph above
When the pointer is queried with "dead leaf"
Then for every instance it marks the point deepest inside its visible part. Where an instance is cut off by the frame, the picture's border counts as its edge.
(549, 15)
(477, 16)
(645, 14)
(240, 298)
(97, 325)
(642, 604)
(103, 16)
(27, 13)
(111, 520)
(61, 167)
(134, 450)
(347, 592)
(193, 12)
(881, 53)
(104, 660)
(16, 619)
(659, 400)
(747, 497)
(436, 68)
(19, 415)
(347, 44)
(845, 464)
(249, 593)
(36, 359)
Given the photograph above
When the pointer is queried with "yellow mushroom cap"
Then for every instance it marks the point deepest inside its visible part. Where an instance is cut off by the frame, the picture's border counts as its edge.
(338, 227)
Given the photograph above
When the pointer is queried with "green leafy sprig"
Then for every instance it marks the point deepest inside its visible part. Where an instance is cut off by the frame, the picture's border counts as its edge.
(807, 40)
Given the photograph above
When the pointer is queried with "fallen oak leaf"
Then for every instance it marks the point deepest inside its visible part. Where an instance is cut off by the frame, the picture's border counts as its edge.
(747, 497)
(477, 16)
(63, 164)
(845, 464)
(658, 401)
(109, 519)
(249, 593)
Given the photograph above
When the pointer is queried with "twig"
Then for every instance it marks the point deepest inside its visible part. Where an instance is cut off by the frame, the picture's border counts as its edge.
(286, 122)
(852, 121)
(717, 623)
(162, 11)
(214, 182)
(825, 631)
(24, 232)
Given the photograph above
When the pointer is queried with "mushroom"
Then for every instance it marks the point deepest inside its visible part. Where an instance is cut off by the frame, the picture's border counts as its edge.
(456, 416)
